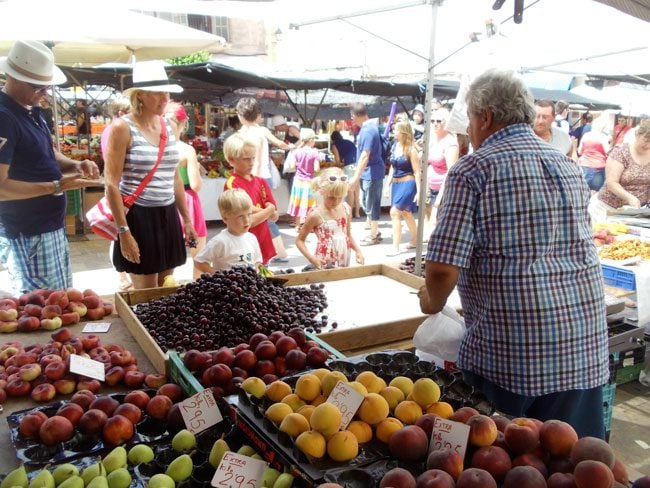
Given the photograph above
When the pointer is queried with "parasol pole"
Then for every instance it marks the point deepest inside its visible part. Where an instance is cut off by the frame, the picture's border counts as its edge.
(425, 139)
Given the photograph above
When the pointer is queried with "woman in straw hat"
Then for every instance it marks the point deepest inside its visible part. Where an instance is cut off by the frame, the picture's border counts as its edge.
(150, 241)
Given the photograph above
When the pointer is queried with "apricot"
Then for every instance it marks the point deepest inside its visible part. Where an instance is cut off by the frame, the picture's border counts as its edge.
(320, 372)
(358, 387)
(386, 428)
(482, 430)
(557, 437)
(277, 390)
(294, 424)
(361, 430)
(492, 459)
(475, 478)
(593, 474)
(294, 401)
(593, 449)
(318, 400)
(373, 409)
(306, 411)
(446, 460)
(397, 477)
(277, 412)
(403, 383)
(312, 443)
(343, 446)
(425, 392)
(524, 477)
(393, 396)
(372, 382)
(441, 409)
(410, 443)
(408, 411)
(330, 380)
(326, 419)
(308, 387)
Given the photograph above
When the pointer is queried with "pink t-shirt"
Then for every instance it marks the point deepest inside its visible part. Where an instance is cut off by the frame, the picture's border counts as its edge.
(437, 163)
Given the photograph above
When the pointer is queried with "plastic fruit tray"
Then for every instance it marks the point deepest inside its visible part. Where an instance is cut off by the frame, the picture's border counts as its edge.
(34, 454)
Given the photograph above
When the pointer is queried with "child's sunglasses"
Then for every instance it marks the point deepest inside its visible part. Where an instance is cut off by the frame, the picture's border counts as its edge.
(334, 178)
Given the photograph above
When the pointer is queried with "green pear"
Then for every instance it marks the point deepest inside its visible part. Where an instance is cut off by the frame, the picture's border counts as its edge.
(285, 480)
(161, 481)
(17, 477)
(63, 472)
(184, 440)
(92, 471)
(43, 479)
(98, 482)
(140, 454)
(219, 448)
(246, 450)
(120, 478)
(180, 468)
(72, 482)
(268, 477)
(115, 459)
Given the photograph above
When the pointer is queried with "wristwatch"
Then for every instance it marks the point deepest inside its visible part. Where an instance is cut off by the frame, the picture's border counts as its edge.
(58, 191)
(122, 229)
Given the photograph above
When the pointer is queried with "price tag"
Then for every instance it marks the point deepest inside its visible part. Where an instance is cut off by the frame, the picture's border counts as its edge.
(347, 400)
(238, 471)
(447, 434)
(96, 327)
(200, 411)
(86, 367)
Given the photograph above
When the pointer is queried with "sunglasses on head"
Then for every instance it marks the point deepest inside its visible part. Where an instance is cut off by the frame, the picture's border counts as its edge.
(436, 121)
(333, 178)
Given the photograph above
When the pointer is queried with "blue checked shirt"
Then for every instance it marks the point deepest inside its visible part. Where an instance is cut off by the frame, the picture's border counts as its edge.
(514, 219)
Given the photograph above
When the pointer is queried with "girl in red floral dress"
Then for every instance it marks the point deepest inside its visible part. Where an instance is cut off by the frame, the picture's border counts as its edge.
(330, 221)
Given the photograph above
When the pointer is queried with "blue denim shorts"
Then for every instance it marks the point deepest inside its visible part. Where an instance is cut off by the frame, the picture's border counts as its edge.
(371, 197)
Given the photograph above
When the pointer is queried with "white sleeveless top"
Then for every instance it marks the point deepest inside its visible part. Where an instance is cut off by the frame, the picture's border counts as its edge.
(140, 157)
(260, 168)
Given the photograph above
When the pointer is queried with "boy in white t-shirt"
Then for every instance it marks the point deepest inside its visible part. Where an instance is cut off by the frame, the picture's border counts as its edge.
(233, 246)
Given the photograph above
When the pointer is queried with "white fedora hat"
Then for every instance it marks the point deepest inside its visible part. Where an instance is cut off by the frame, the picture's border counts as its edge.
(151, 76)
(32, 62)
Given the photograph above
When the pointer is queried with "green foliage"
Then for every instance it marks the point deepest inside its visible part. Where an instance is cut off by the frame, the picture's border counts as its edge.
(197, 57)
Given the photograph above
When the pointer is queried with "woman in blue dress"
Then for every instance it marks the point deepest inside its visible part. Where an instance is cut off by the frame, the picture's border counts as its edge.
(404, 185)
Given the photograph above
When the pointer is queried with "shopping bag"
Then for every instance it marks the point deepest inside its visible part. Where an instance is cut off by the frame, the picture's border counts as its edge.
(275, 176)
(289, 165)
(441, 334)
(100, 218)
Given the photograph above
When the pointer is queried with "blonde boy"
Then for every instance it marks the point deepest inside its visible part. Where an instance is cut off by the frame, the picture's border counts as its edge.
(233, 246)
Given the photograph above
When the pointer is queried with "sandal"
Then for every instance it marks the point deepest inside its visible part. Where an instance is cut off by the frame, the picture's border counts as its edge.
(411, 246)
(371, 241)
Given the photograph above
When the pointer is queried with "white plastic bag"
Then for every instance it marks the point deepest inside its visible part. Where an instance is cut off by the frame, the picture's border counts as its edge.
(441, 334)
(289, 165)
(275, 177)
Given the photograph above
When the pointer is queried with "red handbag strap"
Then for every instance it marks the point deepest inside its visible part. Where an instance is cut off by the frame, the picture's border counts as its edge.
(161, 148)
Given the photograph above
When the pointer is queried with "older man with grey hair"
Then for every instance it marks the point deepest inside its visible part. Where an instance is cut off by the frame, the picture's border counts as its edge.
(513, 233)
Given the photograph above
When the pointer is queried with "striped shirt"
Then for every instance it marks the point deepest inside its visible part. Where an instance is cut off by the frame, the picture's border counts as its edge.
(141, 156)
(514, 219)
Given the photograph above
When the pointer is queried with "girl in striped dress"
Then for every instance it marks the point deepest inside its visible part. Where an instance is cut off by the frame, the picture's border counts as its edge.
(303, 198)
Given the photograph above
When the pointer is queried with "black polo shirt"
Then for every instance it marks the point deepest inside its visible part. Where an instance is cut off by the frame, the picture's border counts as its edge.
(26, 146)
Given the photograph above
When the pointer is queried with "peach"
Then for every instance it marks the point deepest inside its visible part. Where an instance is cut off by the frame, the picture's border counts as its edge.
(108, 308)
(138, 398)
(117, 430)
(397, 477)
(92, 421)
(83, 398)
(482, 430)
(56, 429)
(593, 474)
(561, 480)
(29, 372)
(492, 459)
(223, 355)
(30, 424)
(114, 375)
(245, 359)
(72, 412)
(106, 404)
(65, 385)
(594, 449)
(89, 384)
(78, 308)
(8, 314)
(23, 359)
(407, 411)
(33, 310)
(524, 477)
(426, 422)
(43, 392)
(51, 311)
(475, 478)
(92, 302)
(559, 465)
(95, 313)
(531, 460)
(89, 293)
(121, 358)
(284, 344)
(134, 379)
(17, 387)
(130, 411)
(522, 435)
(55, 370)
(557, 437)
(155, 380)
(171, 390)
(74, 295)
(409, 443)
(70, 318)
(59, 298)
(27, 323)
(158, 407)
(36, 299)
(435, 478)
(620, 472)
(446, 460)
(463, 414)
(385, 429)
(62, 335)
(51, 324)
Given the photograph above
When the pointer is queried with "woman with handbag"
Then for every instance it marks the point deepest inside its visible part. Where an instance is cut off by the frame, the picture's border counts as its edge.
(143, 185)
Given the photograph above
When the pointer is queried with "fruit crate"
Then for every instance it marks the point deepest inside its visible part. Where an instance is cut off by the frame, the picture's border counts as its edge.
(619, 277)
(625, 366)
(609, 395)
(381, 325)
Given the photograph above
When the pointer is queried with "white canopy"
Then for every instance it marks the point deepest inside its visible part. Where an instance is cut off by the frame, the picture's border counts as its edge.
(91, 32)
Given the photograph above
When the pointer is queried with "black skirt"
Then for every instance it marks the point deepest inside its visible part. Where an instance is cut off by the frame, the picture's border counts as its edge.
(157, 230)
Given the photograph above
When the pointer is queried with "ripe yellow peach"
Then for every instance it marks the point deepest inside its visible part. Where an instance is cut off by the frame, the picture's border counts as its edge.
(441, 409)
(386, 428)
(361, 430)
(277, 412)
(403, 383)
(373, 409)
(393, 396)
(425, 392)
(277, 390)
(408, 411)
(308, 387)
(343, 446)
(326, 419)
(330, 380)
(312, 443)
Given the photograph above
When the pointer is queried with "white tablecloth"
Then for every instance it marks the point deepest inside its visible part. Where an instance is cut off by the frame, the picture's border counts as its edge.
(213, 187)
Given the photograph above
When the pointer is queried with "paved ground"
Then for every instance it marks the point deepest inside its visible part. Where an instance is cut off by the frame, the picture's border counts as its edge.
(630, 435)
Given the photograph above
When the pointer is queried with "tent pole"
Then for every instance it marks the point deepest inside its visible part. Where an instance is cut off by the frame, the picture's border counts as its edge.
(320, 104)
(426, 137)
(55, 111)
(293, 104)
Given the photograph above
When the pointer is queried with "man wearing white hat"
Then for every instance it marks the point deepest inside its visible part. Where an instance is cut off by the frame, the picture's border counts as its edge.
(33, 176)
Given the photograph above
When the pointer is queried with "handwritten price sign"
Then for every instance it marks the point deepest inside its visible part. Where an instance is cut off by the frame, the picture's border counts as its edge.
(200, 411)
(238, 471)
(447, 434)
(347, 400)
(86, 367)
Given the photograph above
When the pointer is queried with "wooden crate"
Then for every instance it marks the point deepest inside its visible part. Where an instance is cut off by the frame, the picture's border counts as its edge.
(384, 329)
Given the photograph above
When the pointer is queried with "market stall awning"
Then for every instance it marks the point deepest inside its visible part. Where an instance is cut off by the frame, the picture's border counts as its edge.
(637, 8)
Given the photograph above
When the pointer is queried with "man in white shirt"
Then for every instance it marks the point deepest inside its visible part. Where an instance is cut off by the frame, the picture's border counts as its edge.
(543, 127)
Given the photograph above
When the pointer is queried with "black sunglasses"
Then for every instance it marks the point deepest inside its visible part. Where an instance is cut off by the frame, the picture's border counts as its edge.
(38, 88)
(436, 121)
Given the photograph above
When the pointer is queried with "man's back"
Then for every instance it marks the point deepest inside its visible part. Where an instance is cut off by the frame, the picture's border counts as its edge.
(514, 218)
(368, 140)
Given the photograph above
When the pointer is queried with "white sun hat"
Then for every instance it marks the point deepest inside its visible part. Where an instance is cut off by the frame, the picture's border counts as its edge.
(32, 62)
(151, 76)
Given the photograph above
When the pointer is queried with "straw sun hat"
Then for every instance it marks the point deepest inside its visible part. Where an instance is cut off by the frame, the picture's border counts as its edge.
(151, 76)
(32, 62)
